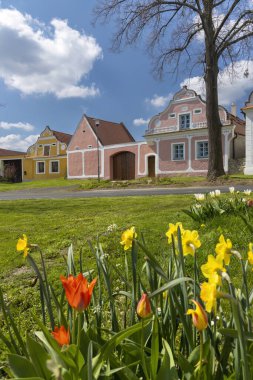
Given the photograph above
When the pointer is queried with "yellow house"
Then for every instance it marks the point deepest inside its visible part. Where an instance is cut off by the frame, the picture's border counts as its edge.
(47, 158)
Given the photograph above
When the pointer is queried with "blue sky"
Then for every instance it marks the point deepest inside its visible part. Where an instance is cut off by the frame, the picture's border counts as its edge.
(55, 66)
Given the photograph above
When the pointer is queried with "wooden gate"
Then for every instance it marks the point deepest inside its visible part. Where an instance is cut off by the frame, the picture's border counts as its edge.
(151, 166)
(124, 166)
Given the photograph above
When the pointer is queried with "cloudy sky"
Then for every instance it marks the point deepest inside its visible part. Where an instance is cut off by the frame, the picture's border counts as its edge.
(55, 66)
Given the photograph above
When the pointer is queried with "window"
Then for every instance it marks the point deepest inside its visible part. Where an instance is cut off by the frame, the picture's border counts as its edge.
(46, 150)
(172, 115)
(54, 166)
(40, 167)
(178, 152)
(89, 146)
(197, 111)
(184, 121)
(202, 149)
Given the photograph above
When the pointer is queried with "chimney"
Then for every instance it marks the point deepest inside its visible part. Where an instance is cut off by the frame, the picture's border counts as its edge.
(233, 109)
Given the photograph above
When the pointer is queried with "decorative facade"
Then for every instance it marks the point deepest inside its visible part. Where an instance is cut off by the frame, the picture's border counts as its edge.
(47, 158)
(176, 142)
(248, 111)
(181, 137)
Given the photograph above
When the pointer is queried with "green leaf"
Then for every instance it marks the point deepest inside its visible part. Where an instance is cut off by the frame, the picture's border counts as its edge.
(154, 349)
(38, 357)
(70, 261)
(170, 285)
(27, 378)
(21, 367)
(185, 365)
(108, 348)
(167, 370)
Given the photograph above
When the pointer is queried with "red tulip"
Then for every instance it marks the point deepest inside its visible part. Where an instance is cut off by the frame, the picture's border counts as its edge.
(78, 291)
(61, 335)
(143, 307)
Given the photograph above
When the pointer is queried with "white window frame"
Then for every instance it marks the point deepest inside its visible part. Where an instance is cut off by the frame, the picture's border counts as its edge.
(50, 166)
(46, 155)
(172, 152)
(197, 111)
(196, 150)
(37, 167)
(190, 122)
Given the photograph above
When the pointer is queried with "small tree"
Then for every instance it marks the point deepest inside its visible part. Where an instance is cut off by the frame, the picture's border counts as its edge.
(222, 28)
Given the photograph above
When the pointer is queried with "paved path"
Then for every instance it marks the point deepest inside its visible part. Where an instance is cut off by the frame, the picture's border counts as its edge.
(70, 192)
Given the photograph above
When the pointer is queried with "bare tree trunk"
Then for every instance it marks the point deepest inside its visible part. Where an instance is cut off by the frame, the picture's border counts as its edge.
(215, 162)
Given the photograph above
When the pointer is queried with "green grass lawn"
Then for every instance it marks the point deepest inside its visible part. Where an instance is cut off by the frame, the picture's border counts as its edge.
(55, 224)
(178, 181)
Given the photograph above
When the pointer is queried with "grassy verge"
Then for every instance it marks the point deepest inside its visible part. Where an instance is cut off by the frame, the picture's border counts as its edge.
(178, 181)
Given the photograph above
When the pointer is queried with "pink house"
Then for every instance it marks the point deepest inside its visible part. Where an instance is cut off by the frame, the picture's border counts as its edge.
(102, 149)
(176, 143)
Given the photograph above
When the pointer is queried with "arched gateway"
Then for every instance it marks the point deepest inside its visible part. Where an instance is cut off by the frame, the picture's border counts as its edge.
(123, 166)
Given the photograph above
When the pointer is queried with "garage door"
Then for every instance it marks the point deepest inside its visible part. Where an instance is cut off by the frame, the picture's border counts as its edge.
(124, 166)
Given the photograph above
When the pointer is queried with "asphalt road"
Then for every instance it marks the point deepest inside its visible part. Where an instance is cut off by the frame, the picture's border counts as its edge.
(68, 192)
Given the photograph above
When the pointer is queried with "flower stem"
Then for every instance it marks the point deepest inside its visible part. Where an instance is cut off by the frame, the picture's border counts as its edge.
(144, 367)
(79, 328)
(201, 353)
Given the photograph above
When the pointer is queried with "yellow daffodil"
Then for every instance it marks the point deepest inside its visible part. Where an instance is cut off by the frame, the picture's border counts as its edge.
(22, 245)
(208, 295)
(224, 249)
(250, 254)
(190, 241)
(127, 238)
(172, 231)
(199, 317)
(212, 268)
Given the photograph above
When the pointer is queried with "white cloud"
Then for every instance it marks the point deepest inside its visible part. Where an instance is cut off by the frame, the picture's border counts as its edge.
(24, 126)
(159, 101)
(40, 59)
(17, 142)
(139, 122)
(232, 87)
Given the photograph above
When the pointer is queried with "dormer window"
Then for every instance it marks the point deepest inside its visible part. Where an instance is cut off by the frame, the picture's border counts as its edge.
(184, 121)
(46, 150)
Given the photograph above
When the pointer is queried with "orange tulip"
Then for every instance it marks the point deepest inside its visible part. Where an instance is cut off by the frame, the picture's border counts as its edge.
(78, 291)
(61, 335)
(199, 317)
(143, 307)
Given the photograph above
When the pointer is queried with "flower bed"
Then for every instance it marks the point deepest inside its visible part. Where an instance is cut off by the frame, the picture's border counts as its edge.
(160, 323)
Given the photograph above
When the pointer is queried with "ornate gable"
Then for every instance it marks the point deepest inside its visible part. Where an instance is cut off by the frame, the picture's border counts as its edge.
(250, 100)
(184, 93)
(47, 132)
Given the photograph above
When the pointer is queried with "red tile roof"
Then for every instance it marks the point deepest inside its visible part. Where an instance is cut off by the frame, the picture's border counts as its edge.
(62, 137)
(7, 152)
(110, 133)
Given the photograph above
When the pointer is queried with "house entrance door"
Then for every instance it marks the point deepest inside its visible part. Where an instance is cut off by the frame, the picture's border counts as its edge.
(151, 166)
(124, 166)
